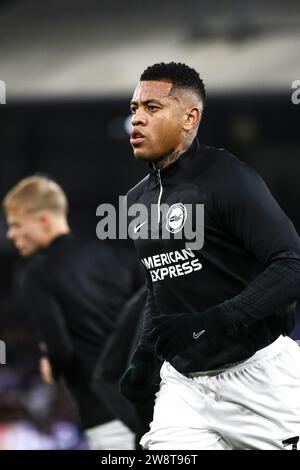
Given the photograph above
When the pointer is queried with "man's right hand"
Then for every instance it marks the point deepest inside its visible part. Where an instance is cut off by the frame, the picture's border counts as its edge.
(137, 382)
(46, 371)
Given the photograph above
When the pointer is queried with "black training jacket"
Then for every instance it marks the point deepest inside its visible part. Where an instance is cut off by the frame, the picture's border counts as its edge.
(248, 241)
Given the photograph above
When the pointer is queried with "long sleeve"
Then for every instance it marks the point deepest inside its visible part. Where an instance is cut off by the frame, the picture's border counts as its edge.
(252, 215)
(275, 288)
(150, 310)
(48, 317)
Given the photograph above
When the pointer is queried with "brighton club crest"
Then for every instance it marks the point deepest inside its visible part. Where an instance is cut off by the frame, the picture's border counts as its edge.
(176, 218)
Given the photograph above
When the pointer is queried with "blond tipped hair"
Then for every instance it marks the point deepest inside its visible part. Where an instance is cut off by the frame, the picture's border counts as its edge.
(36, 193)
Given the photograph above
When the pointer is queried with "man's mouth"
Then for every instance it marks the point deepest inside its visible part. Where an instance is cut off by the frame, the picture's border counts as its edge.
(136, 137)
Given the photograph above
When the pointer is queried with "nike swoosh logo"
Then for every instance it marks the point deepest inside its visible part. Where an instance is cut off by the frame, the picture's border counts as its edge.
(197, 335)
(137, 227)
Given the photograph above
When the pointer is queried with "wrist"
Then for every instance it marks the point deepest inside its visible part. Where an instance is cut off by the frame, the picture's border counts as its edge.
(213, 320)
(142, 355)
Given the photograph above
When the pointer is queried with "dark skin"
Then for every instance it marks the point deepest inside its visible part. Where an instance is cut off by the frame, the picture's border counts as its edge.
(165, 122)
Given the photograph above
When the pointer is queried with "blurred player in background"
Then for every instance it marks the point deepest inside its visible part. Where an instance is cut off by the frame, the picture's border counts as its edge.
(219, 314)
(74, 289)
(114, 362)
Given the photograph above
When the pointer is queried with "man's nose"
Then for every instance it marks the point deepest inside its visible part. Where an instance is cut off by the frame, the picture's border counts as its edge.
(138, 118)
(10, 234)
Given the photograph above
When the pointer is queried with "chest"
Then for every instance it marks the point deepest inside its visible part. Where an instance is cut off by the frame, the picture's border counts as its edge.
(170, 216)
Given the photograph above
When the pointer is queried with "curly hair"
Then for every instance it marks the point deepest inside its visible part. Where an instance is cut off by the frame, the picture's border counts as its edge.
(179, 74)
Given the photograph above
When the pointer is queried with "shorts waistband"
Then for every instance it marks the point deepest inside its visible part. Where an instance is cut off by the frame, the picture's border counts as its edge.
(265, 353)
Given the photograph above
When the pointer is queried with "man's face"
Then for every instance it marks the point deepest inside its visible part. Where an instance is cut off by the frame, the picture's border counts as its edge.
(27, 231)
(157, 121)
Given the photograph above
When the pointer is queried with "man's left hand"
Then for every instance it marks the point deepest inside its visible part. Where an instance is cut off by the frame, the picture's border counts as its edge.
(175, 333)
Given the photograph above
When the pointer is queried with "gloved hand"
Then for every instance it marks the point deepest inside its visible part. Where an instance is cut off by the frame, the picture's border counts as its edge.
(137, 382)
(175, 333)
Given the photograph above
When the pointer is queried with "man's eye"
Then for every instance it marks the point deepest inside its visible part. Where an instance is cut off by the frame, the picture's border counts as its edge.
(152, 108)
(133, 110)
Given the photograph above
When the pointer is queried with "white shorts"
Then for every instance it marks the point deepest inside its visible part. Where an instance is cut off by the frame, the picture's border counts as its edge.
(252, 405)
(113, 435)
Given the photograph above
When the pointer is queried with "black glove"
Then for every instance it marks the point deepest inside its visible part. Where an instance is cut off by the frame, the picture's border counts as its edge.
(175, 333)
(137, 382)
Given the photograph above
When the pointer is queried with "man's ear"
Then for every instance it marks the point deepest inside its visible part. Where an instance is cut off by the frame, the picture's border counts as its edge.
(45, 219)
(192, 118)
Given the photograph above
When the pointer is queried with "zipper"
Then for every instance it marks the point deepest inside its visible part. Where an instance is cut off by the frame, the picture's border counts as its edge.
(159, 197)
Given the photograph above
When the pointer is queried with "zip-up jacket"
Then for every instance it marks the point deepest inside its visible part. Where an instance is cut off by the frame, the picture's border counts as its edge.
(246, 276)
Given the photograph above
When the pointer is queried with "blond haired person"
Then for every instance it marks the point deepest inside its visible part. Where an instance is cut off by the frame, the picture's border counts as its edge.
(74, 289)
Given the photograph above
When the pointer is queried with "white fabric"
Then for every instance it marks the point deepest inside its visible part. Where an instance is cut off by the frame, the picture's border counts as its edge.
(252, 405)
(113, 435)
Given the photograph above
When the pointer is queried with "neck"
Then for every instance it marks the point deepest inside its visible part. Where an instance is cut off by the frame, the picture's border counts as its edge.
(173, 156)
(58, 230)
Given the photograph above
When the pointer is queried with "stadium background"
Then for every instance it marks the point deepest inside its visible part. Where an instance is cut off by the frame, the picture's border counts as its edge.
(70, 68)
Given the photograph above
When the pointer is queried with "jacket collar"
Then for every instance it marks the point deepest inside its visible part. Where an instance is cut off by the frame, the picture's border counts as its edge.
(180, 165)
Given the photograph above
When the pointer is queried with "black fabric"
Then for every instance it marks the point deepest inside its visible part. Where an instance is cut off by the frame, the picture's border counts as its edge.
(173, 334)
(277, 286)
(113, 364)
(115, 359)
(245, 233)
(75, 290)
(137, 382)
(92, 410)
(149, 312)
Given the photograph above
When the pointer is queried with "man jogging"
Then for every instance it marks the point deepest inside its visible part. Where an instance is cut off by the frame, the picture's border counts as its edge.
(219, 313)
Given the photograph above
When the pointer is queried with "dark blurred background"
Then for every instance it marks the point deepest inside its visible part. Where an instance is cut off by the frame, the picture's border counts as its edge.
(70, 68)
